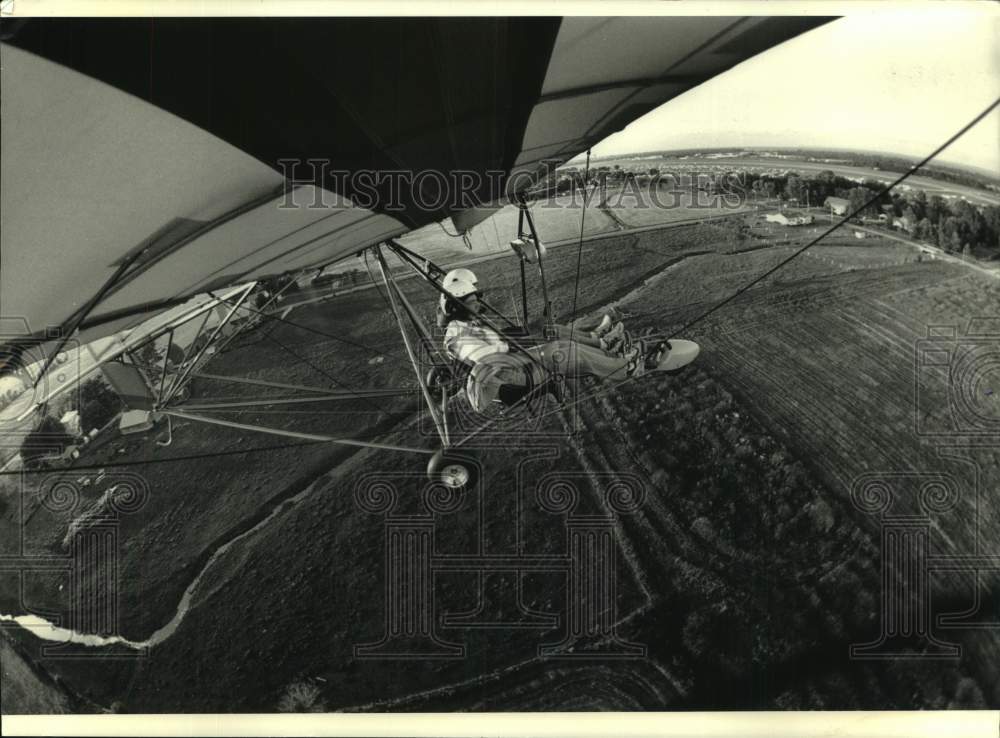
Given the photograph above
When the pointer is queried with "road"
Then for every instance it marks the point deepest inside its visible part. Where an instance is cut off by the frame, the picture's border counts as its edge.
(934, 250)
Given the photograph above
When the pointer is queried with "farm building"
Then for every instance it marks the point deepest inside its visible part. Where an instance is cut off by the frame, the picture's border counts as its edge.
(327, 280)
(837, 205)
(904, 224)
(788, 220)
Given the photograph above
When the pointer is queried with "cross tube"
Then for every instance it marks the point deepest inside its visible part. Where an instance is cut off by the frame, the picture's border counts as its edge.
(294, 434)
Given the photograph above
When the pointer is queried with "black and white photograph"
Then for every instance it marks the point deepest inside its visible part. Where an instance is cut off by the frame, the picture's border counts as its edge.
(459, 360)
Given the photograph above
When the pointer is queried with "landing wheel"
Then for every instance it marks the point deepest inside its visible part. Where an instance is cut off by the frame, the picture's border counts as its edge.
(453, 469)
(439, 377)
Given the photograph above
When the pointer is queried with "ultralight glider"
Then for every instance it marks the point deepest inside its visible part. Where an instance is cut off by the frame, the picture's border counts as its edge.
(163, 165)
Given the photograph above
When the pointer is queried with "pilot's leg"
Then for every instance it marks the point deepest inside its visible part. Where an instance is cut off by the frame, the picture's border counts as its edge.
(589, 326)
(574, 333)
(573, 359)
(606, 339)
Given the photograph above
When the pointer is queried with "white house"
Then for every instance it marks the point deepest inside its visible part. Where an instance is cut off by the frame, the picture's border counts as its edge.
(904, 224)
(837, 205)
(788, 220)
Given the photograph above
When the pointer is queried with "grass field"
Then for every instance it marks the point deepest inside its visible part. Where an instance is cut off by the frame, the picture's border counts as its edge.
(645, 208)
(747, 571)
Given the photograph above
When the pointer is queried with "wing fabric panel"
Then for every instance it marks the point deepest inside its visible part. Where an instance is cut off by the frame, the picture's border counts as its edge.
(166, 138)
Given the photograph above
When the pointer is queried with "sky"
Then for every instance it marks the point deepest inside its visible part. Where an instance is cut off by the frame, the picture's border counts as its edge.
(900, 81)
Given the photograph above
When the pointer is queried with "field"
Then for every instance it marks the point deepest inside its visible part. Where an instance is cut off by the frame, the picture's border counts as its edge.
(643, 207)
(558, 219)
(831, 366)
(746, 572)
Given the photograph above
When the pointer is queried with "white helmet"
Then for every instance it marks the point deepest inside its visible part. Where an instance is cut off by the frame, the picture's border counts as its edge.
(466, 274)
(460, 288)
(458, 283)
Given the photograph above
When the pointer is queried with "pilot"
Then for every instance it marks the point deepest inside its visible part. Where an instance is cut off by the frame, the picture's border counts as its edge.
(455, 275)
(607, 335)
(498, 374)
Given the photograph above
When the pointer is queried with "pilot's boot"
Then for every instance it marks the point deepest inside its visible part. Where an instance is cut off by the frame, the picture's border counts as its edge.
(603, 327)
(614, 341)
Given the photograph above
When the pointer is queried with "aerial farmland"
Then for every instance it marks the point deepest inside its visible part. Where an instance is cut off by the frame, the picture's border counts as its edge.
(747, 572)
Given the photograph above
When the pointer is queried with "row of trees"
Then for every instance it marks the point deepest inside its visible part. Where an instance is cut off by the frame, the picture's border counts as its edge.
(812, 190)
(955, 225)
(98, 404)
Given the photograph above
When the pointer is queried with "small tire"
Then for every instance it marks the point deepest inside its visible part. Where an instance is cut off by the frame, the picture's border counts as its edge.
(453, 469)
(439, 377)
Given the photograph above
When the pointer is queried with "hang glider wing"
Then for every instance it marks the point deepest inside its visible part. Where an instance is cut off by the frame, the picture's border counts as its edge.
(142, 160)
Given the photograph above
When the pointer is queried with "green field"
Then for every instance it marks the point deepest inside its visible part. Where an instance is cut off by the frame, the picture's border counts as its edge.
(747, 571)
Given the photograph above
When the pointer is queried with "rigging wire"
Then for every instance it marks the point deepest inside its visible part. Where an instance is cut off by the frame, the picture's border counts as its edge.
(236, 345)
(259, 338)
(162, 460)
(300, 326)
(316, 368)
(333, 379)
(375, 282)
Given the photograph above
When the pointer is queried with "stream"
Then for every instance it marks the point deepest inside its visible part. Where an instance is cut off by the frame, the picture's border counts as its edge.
(47, 631)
